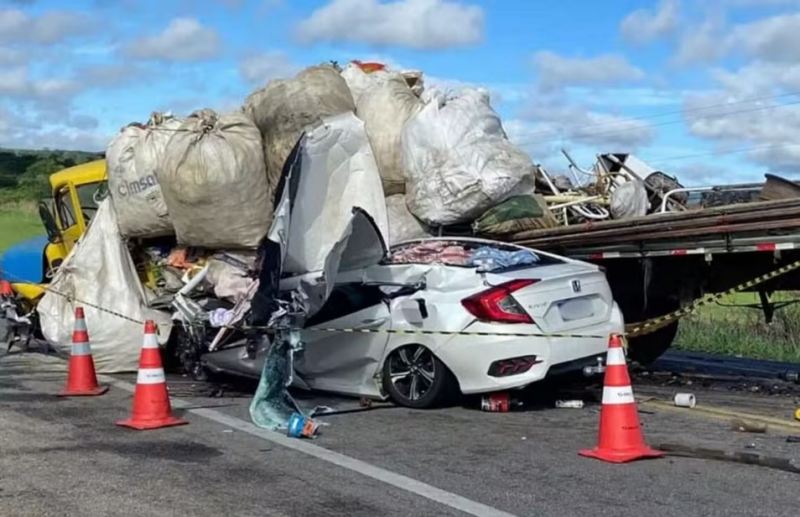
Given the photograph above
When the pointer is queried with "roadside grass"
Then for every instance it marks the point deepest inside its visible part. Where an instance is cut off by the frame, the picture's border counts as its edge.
(18, 221)
(728, 328)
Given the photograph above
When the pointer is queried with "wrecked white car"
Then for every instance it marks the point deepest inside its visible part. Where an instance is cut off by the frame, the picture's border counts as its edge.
(428, 318)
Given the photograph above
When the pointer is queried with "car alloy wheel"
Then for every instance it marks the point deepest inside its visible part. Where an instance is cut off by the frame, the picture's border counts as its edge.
(412, 371)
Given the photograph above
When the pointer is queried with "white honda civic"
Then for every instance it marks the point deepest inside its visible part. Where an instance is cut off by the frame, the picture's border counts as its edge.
(447, 315)
(414, 322)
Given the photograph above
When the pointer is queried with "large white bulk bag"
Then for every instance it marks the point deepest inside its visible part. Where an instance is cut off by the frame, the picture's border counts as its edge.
(403, 226)
(458, 161)
(132, 159)
(284, 108)
(359, 82)
(99, 272)
(385, 108)
(214, 182)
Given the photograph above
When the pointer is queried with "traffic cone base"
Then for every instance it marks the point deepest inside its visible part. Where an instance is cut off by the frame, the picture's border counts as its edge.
(151, 407)
(620, 437)
(81, 375)
(144, 425)
(89, 392)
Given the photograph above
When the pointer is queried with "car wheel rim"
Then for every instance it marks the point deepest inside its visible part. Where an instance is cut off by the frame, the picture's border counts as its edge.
(412, 371)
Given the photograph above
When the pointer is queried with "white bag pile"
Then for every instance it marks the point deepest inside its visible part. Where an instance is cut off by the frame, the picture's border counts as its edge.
(403, 226)
(99, 270)
(458, 160)
(214, 182)
(385, 108)
(132, 159)
(284, 109)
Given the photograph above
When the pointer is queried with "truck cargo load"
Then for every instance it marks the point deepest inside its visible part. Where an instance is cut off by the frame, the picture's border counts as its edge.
(458, 160)
(133, 157)
(214, 182)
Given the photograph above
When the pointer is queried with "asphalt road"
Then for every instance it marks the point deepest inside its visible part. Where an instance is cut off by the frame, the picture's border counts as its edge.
(66, 457)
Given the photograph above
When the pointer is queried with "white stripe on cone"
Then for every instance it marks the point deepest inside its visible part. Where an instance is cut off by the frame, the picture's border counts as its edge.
(80, 324)
(618, 395)
(150, 376)
(150, 341)
(615, 356)
(81, 349)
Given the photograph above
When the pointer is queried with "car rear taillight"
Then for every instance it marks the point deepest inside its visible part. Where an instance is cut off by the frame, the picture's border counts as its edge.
(497, 304)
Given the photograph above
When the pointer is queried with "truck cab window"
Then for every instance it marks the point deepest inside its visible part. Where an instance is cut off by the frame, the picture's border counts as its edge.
(86, 195)
(66, 212)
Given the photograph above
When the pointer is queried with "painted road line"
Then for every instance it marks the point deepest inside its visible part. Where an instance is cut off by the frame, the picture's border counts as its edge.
(361, 467)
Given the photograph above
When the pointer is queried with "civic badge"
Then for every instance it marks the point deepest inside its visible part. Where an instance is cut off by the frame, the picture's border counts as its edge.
(576, 286)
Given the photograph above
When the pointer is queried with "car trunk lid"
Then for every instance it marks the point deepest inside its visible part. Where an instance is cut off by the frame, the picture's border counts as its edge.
(565, 297)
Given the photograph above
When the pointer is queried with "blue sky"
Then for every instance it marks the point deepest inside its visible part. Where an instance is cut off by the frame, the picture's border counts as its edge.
(704, 90)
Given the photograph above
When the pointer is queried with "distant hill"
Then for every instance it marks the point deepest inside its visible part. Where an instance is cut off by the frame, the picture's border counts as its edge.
(24, 173)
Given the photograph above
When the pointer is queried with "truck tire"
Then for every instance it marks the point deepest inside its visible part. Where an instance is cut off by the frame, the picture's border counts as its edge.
(646, 349)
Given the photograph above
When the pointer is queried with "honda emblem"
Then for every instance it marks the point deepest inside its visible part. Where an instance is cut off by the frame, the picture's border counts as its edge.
(576, 286)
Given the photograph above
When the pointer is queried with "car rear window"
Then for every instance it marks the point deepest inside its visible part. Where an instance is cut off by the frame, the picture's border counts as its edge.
(485, 256)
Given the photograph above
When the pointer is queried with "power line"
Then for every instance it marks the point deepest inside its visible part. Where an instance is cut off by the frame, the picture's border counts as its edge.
(717, 153)
(660, 124)
(682, 111)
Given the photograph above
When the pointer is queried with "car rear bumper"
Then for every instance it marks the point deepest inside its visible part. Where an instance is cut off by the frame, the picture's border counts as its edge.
(470, 357)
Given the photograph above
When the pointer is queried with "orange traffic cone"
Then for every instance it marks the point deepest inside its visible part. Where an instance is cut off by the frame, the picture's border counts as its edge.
(151, 407)
(620, 436)
(6, 289)
(81, 377)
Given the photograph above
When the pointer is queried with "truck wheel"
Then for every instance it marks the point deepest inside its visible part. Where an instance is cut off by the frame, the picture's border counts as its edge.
(646, 349)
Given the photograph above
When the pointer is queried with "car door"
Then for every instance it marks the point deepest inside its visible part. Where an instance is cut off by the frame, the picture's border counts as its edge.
(346, 362)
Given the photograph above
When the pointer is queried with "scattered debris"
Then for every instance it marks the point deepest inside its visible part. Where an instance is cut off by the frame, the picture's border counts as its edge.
(569, 404)
(749, 458)
(746, 426)
(301, 426)
(500, 402)
(686, 400)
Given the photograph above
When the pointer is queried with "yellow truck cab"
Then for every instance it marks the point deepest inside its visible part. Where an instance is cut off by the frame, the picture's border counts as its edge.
(65, 216)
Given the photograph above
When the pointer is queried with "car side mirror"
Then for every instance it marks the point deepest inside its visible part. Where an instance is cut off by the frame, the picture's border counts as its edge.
(49, 221)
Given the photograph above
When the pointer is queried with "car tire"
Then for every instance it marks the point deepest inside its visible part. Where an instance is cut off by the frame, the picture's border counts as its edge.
(427, 382)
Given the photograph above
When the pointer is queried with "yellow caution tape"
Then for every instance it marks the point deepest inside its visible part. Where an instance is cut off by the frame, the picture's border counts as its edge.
(632, 330)
(646, 327)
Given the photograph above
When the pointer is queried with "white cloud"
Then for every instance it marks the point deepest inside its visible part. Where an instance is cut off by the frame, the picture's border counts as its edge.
(14, 81)
(758, 79)
(17, 82)
(53, 26)
(704, 43)
(9, 56)
(757, 111)
(184, 39)
(419, 24)
(771, 39)
(67, 138)
(554, 70)
(644, 25)
(50, 27)
(551, 122)
(80, 121)
(259, 68)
